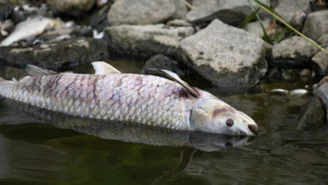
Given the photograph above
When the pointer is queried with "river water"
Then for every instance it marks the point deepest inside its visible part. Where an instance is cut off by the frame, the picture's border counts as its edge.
(33, 153)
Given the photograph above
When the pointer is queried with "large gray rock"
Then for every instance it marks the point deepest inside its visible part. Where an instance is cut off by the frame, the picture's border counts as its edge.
(232, 12)
(143, 12)
(72, 7)
(293, 52)
(225, 55)
(287, 9)
(321, 90)
(145, 40)
(57, 55)
(316, 24)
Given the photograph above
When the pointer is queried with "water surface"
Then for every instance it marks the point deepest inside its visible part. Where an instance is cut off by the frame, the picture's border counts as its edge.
(35, 153)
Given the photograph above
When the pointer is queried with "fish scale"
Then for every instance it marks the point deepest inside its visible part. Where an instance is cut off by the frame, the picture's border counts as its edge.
(142, 99)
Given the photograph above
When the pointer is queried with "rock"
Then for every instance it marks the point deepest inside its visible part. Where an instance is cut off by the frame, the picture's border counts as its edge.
(292, 53)
(306, 73)
(72, 7)
(287, 9)
(163, 62)
(256, 29)
(144, 12)
(232, 12)
(226, 56)
(57, 55)
(5, 10)
(198, 3)
(145, 40)
(321, 61)
(98, 19)
(323, 39)
(316, 24)
(16, 73)
(178, 22)
(321, 90)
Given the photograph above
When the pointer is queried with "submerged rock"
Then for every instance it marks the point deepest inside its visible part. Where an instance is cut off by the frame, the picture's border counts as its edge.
(163, 62)
(293, 52)
(144, 12)
(232, 12)
(71, 7)
(316, 24)
(16, 73)
(145, 40)
(57, 55)
(321, 90)
(312, 115)
(227, 56)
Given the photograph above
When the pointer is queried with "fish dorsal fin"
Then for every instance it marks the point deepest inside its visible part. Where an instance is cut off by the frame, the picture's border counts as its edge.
(102, 68)
(173, 76)
(33, 70)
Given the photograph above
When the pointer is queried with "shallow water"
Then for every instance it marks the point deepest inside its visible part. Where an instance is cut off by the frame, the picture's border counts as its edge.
(36, 153)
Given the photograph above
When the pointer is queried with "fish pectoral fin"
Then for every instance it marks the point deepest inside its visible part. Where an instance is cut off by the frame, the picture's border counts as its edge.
(173, 76)
(102, 68)
(33, 70)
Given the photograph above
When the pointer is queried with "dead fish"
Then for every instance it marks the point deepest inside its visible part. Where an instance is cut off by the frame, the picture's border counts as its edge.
(146, 100)
(29, 28)
(293, 93)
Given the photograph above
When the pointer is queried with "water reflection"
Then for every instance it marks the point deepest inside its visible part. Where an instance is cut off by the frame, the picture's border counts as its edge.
(21, 161)
(131, 132)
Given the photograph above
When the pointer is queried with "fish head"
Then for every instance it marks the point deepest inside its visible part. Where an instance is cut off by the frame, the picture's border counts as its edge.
(215, 116)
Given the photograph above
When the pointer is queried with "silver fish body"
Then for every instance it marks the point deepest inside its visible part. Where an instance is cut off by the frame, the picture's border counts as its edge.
(141, 99)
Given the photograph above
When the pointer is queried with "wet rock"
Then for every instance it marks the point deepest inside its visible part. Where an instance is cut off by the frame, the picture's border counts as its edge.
(306, 73)
(316, 24)
(145, 40)
(98, 20)
(312, 115)
(287, 9)
(232, 12)
(163, 62)
(5, 10)
(321, 61)
(293, 52)
(321, 90)
(72, 7)
(144, 12)
(57, 55)
(16, 73)
(226, 56)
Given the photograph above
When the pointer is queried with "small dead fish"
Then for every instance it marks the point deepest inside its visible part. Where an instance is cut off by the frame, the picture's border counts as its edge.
(111, 96)
(29, 28)
(292, 93)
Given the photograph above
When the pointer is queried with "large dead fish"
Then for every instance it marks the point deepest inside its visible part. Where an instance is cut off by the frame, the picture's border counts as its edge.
(145, 100)
(29, 28)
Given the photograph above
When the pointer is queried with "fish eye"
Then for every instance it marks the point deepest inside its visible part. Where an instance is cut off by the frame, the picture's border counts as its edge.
(229, 122)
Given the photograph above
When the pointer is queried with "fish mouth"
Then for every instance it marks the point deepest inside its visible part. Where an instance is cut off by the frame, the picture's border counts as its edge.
(252, 127)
